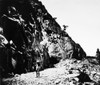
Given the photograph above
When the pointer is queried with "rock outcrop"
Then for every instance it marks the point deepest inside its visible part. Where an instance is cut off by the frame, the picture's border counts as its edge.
(32, 34)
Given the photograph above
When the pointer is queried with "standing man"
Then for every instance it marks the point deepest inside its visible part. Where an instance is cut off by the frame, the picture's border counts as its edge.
(38, 64)
(38, 68)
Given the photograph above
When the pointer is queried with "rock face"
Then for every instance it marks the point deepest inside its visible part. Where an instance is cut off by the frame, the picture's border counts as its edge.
(32, 34)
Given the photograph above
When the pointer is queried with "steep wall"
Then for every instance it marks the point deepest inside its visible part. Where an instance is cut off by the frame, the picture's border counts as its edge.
(33, 34)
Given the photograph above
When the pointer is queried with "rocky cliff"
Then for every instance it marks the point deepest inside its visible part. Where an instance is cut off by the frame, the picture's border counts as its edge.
(28, 33)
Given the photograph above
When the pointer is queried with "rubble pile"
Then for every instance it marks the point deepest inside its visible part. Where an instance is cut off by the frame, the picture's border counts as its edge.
(67, 72)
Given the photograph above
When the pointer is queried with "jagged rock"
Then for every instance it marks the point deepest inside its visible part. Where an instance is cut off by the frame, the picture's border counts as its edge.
(35, 36)
(98, 55)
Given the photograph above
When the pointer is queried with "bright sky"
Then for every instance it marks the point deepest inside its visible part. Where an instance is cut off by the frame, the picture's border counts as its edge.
(83, 19)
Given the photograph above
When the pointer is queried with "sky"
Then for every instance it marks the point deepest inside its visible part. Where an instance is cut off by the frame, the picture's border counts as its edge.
(83, 19)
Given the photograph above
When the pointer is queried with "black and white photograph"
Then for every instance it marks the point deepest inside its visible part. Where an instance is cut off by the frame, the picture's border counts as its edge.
(49, 42)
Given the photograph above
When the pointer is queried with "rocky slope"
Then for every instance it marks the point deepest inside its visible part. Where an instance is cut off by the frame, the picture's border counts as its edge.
(67, 72)
(32, 34)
